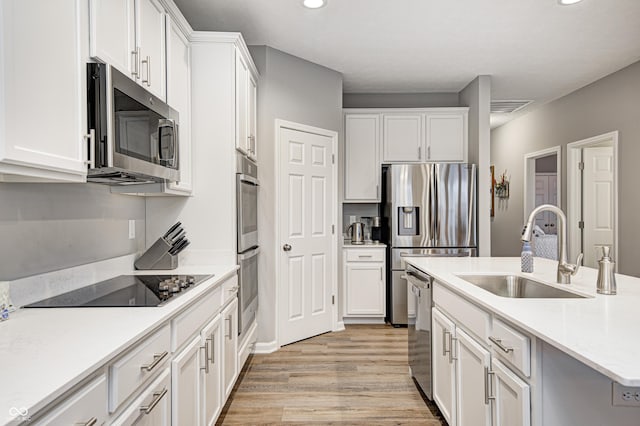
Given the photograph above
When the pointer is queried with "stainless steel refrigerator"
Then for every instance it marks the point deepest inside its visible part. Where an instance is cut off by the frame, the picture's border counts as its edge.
(429, 210)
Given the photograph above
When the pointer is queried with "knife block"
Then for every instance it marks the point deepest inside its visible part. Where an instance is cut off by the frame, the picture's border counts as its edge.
(157, 257)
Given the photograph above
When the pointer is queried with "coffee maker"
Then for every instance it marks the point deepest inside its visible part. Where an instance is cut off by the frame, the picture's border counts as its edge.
(376, 229)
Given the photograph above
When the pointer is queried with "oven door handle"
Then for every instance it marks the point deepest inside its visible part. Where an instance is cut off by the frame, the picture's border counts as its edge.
(248, 179)
(249, 254)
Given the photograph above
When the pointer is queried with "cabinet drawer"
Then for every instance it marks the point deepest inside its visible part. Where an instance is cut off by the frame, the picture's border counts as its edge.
(152, 407)
(191, 321)
(465, 313)
(229, 289)
(139, 364)
(82, 407)
(365, 255)
(511, 345)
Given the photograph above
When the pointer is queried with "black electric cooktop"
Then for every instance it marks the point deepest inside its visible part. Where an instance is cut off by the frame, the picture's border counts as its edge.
(125, 290)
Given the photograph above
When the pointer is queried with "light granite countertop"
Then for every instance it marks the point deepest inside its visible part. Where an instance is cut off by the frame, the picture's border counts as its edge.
(600, 331)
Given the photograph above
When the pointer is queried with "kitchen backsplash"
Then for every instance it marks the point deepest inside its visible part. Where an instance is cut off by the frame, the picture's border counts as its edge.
(47, 227)
(359, 210)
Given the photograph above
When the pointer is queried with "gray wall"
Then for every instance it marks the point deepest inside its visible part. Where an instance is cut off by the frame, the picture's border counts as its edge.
(47, 227)
(399, 100)
(609, 104)
(477, 96)
(296, 90)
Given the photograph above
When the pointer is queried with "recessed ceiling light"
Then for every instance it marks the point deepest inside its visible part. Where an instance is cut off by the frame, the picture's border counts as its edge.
(568, 2)
(315, 4)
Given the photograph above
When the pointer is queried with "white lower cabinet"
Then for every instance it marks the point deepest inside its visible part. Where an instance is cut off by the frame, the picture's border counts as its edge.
(364, 282)
(185, 384)
(152, 407)
(230, 347)
(470, 385)
(86, 406)
(511, 394)
(211, 376)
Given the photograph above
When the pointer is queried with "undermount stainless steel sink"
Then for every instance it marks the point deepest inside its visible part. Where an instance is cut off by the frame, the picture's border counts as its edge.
(518, 287)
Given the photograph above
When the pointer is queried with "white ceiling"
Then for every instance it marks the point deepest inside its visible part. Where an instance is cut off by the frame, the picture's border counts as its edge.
(533, 49)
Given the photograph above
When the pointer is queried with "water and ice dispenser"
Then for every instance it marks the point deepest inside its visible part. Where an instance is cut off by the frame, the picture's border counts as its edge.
(408, 220)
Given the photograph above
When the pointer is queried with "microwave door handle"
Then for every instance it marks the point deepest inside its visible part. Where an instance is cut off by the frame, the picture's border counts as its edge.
(168, 123)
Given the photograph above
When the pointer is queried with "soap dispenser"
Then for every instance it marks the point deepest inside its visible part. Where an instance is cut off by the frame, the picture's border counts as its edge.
(526, 258)
(606, 276)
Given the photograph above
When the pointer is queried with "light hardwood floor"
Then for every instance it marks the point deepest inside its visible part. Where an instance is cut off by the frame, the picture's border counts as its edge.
(358, 377)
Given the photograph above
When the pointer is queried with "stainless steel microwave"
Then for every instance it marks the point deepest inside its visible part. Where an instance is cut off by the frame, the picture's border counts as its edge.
(133, 135)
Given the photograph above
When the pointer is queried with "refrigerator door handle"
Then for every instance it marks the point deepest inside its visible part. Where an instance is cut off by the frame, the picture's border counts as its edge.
(434, 207)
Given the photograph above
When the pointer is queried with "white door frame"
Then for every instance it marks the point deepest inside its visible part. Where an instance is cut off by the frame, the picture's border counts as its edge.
(574, 188)
(530, 177)
(284, 124)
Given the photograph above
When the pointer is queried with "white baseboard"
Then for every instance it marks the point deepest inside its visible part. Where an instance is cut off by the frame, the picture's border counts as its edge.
(266, 347)
(339, 326)
(363, 320)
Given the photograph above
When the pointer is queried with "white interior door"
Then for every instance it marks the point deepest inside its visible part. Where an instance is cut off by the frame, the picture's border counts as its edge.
(547, 193)
(306, 253)
(598, 202)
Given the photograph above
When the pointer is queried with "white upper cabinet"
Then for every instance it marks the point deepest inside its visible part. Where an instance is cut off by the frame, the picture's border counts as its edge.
(179, 97)
(246, 104)
(446, 136)
(130, 35)
(43, 90)
(150, 37)
(403, 135)
(362, 159)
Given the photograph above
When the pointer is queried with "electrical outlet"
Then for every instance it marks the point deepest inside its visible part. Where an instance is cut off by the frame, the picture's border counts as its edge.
(625, 396)
(132, 229)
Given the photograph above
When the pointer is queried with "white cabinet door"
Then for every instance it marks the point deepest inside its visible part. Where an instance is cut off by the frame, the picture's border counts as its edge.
(185, 384)
(365, 289)
(150, 36)
(86, 406)
(42, 90)
(112, 37)
(242, 119)
(446, 136)
(230, 345)
(253, 117)
(152, 407)
(403, 137)
(472, 395)
(361, 159)
(512, 405)
(444, 378)
(211, 376)
(179, 97)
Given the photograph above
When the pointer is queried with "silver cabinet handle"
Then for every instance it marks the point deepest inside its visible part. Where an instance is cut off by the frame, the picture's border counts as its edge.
(91, 140)
(428, 152)
(286, 247)
(228, 318)
(134, 59)
(157, 396)
(365, 256)
(92, 421)
(498, 343)
(156, 360)
(419, 152)
(487, 386)
(451, 346)
(206, 358)
(444, 342)
(213, 352)
(147, 62)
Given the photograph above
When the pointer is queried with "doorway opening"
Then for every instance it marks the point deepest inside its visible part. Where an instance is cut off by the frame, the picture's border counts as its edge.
(543, 186)
(592, 197)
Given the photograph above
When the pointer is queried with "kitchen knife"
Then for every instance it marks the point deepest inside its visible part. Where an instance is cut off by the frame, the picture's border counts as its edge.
(177, 242)
(176, 249)
(178, 237)
(174, 234)
(182, 247)
(170, 231)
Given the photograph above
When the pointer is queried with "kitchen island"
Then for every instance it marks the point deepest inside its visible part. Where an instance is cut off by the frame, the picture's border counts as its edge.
(566, 356)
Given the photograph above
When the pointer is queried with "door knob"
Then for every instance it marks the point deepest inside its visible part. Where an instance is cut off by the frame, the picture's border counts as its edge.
(286, 247)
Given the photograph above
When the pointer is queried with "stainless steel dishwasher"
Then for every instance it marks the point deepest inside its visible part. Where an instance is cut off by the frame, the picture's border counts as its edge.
(419, 288)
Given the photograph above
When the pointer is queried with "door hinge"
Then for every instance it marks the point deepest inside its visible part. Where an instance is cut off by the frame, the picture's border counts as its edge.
(333, 299)
(333, 159)
(581, 165)
(333, 229)
(581, 224)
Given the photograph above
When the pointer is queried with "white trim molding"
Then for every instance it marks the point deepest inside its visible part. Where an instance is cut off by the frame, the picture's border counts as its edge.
(284, 124)
(574, 190)
(266, 347)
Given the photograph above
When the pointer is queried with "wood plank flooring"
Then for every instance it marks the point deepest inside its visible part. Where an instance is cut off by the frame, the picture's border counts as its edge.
(358, 377)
